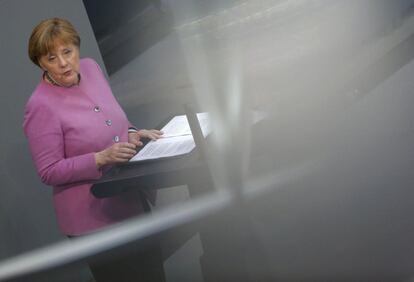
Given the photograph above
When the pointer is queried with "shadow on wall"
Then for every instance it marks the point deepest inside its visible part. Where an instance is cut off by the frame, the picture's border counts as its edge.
(21, 171)
(37, 220)
(124, 29)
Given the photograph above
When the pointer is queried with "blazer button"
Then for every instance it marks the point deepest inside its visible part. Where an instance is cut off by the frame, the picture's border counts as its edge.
(108, 122)
(97, 109)
(116, 139)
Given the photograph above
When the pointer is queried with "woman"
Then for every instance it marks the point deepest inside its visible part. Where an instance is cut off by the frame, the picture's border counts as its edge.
(76, 129)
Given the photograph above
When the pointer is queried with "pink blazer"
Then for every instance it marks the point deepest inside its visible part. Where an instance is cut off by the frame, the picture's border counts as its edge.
(65, 127)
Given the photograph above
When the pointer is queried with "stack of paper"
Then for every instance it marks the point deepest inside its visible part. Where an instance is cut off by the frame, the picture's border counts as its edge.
(176, 140)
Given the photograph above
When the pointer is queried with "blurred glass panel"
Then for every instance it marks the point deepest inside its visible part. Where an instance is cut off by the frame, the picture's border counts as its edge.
(332, 82)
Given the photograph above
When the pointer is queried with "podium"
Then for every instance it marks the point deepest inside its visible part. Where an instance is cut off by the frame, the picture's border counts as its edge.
(225, 237)
(223, 256)
(151, 174)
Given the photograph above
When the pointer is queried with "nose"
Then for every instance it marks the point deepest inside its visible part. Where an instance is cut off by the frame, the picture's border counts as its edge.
(62, 61)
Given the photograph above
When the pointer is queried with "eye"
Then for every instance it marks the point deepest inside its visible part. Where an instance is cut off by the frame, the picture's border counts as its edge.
(67, 51)
(51, 58)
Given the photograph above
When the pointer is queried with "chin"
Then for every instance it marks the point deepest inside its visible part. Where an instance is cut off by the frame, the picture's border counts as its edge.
(68, 82)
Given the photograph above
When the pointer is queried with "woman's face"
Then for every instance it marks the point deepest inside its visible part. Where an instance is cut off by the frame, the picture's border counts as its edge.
(62, 64)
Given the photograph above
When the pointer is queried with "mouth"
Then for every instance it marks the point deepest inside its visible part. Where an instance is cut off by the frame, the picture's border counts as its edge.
(67, 73)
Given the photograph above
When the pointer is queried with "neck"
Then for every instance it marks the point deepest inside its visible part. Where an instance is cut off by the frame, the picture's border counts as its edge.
(49, 79)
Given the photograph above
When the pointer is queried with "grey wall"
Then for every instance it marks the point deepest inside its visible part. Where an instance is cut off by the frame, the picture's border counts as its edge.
(27, 218)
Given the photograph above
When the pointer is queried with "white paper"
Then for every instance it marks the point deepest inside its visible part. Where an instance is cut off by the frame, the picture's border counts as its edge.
(165, 147)
(179, 126)
(176, 140)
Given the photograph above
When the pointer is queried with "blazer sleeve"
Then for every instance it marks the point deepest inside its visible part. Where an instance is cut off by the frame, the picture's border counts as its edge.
(46, 141)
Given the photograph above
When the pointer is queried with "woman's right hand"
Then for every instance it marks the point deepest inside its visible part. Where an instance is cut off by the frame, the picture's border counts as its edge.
(117, 153)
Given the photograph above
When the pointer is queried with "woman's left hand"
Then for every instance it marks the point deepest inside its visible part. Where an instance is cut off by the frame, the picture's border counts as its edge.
(152, 134)
(134, 138)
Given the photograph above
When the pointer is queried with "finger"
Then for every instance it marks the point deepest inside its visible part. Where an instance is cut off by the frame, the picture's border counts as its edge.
(127, 151)
(158, 132)
(122, 157)
(136, 142)
(127, 145)
(154, 136)
(134, 135)
(120, 160)
(125, 155)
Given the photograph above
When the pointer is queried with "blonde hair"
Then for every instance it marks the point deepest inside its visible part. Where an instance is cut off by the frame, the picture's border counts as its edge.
(47, 33)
